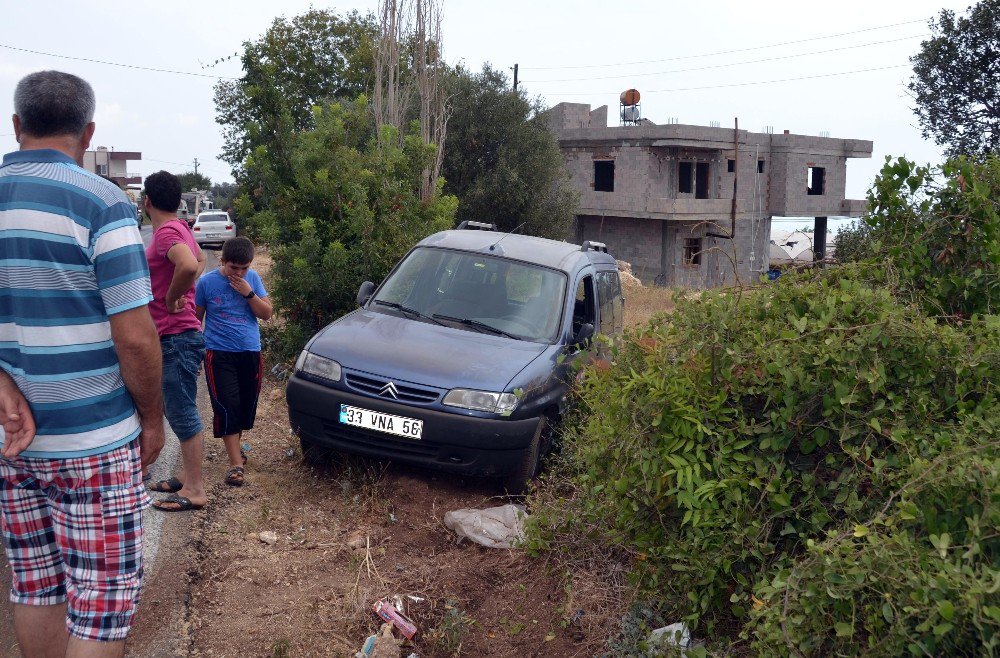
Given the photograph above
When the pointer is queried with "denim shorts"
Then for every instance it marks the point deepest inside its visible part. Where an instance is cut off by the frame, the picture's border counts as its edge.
(182, 357)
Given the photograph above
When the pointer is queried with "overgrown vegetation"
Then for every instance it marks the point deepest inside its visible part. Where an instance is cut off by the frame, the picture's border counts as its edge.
(502, 161)
(813, 468)
(351, 209)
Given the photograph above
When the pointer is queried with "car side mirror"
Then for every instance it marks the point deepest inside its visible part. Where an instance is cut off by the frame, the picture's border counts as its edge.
(585, 333)
(365, 292)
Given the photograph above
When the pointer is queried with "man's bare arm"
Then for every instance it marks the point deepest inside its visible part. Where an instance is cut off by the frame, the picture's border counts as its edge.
(138, 348)
(186, 268)
(202, 261)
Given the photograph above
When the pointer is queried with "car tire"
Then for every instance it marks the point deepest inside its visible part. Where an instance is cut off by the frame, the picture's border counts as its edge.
(526, 469)
(315, 454)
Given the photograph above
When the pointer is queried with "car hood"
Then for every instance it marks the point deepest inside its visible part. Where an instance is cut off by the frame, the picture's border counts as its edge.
(422, 352)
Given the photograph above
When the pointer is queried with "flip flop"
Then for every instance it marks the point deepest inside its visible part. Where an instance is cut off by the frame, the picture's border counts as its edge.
(234, 476)
(170, 485)
(182, 504)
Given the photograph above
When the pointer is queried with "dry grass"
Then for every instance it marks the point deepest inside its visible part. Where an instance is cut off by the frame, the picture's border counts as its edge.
(642, 303)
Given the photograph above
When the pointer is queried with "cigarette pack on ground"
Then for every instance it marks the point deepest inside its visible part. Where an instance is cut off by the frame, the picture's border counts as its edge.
(388, 612)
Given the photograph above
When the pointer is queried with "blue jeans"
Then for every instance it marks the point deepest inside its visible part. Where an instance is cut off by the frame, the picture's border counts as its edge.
(182, 357)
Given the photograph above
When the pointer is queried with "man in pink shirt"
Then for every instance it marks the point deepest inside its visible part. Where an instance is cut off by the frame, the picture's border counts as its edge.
(175, 263)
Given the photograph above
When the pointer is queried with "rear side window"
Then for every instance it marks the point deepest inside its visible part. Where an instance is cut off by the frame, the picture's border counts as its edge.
(609, 293)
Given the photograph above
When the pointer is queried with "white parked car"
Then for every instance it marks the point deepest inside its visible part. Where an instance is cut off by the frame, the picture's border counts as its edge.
(213, 227)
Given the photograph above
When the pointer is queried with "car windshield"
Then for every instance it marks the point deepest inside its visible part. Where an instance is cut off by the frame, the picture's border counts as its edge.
(477, 292)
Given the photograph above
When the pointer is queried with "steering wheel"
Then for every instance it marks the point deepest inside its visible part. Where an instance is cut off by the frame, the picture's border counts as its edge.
(515, 319)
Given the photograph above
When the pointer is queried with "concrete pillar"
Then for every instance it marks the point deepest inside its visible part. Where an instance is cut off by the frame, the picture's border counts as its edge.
(668, 237)
(819, 239)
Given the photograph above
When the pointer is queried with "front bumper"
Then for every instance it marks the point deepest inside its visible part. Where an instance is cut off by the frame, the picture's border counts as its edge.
(452, 442)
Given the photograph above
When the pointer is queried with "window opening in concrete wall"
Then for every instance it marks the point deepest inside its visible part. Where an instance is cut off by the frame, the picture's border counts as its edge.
(604, 175)
(760, 166)
(692, 251)
(731, 166)
(815, 181)
(684, 171)
(701, 181)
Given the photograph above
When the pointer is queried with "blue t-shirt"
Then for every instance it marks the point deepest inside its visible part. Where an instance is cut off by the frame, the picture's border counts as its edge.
(230, 325)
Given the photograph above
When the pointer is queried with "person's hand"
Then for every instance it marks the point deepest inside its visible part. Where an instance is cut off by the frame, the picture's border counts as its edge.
(177, 306)
(18, 421)
(242, 286)
(151, 443)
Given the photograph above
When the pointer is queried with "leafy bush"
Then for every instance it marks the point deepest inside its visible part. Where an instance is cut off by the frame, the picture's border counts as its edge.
(922, 579)
(719, 442)
(352, 210)
(855, 242)
(938, 229)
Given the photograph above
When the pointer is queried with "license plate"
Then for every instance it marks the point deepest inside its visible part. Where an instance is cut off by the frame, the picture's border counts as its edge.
(411, 428)
(213, 235)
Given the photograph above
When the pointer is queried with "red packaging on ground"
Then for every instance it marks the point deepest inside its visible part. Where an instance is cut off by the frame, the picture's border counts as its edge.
(388, 613)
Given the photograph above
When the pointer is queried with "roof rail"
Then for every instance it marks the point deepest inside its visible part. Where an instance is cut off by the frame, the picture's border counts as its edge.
(476, 226)
(596, 246)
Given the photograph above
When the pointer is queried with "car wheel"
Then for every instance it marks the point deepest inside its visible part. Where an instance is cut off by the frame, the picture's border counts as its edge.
(527, 468)
(315, 454)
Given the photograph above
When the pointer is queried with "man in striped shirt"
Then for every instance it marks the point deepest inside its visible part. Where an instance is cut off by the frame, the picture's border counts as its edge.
(78, 341)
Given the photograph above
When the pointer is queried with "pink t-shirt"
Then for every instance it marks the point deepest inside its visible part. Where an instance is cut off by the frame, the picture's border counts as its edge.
(161, 273)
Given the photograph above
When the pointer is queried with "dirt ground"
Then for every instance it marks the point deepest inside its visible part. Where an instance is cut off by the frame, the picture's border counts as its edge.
(348, 535)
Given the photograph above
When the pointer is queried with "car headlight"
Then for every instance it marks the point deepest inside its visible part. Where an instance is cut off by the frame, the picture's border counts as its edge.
(499, 403)
(318, 366)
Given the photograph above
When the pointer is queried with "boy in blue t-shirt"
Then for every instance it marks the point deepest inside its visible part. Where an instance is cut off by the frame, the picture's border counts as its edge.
(230, 300)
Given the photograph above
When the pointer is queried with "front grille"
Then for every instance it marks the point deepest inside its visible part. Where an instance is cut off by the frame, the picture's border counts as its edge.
(345, 434)
(375, 386)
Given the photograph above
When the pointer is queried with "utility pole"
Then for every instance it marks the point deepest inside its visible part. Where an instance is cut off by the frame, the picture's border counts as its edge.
(515, 77)
(196, 165)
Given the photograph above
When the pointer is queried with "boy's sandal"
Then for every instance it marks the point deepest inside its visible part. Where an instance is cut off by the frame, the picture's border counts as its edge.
(234, 476)
(170, 485)
(175, 503)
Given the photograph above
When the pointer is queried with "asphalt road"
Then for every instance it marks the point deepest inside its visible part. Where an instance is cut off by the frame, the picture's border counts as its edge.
(160, 529)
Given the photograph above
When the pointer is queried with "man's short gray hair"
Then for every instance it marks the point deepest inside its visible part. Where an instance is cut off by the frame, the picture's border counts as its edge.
(51, 103)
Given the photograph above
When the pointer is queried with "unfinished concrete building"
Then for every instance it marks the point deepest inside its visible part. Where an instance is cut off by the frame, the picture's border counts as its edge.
(662, 196)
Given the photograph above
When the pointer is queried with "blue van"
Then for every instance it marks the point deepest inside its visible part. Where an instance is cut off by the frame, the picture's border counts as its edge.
(461, 359)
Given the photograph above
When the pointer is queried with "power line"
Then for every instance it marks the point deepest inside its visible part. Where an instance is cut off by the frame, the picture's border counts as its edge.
(126, 66)
(734, 84)
(723, 52)
(719, 66)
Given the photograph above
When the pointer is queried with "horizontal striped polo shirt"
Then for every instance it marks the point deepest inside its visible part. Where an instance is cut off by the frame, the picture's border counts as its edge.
(70, 256)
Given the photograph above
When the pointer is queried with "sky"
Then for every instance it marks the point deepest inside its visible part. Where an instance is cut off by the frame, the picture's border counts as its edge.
(810, 68)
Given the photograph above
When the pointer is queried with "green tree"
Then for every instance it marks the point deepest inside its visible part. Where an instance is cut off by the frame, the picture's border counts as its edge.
(501, 160)
(296, 64)
(349, 210)
(192, 181)
(936, 233)
(956, 81)
(225, 194)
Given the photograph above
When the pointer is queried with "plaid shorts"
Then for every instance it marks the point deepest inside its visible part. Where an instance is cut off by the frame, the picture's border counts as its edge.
(72, 529)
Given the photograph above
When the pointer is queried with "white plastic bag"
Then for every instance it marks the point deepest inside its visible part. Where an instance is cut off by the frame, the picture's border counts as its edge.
(496, 527)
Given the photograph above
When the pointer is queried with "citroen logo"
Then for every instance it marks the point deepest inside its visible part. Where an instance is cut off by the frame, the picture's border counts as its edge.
(389, 389)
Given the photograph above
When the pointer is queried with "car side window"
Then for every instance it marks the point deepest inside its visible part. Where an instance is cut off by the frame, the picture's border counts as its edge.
(584, 306)
(617, 301)
(605, 296)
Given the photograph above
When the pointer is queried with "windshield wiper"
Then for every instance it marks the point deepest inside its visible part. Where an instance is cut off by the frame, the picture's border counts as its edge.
(482, 326)
(407, 310)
